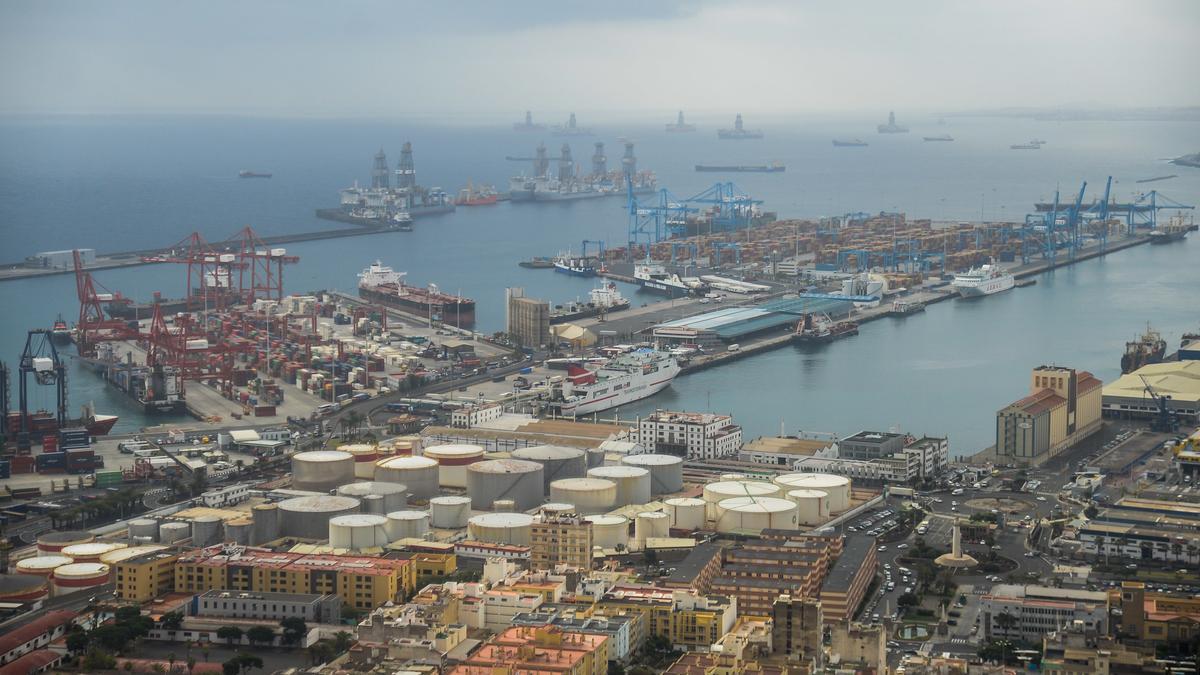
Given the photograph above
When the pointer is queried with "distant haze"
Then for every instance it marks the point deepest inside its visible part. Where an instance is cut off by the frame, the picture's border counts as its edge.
(492, 60)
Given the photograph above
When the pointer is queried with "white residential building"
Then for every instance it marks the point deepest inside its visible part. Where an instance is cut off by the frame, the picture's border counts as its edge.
(226, 496)
(470, 416)
(691, 435)
(1038, 610)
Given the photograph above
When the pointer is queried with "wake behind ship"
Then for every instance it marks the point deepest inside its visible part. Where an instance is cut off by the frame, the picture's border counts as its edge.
(380, 283)
(624, 379)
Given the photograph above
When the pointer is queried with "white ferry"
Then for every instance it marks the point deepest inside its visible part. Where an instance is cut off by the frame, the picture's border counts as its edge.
(983, 280)
(624, 379)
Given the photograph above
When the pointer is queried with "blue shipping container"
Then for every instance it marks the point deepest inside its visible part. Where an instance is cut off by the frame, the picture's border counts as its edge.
(52, 460)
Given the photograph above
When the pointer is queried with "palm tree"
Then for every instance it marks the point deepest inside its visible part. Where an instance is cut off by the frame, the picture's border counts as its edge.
(171, 661)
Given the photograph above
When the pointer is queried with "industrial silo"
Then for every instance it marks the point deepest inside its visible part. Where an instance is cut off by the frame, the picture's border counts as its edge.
(406, 445)
(609, 531)
(206, 531)
(358, 531)
(504, 506)
(502, 528)
(633, 483)
(238, 531)
(372, 504)
(322, 470)
(308, 517)
(174, 531)
(51, 543)
(666, 471)
(395, 495)
(557, 462)
(23, 588)
(420, 474)
(365, 455)
(514, 479)
(686, 513)
(407, 525)
(90, 552)
(589, 495)
(812, 506)
(449, 513)
(752, 515)
(143, 528)
(80, 577)
(453, 459)
(266, 524)
(715, 493)
(837, 487)
(595, 457)
(651, 525)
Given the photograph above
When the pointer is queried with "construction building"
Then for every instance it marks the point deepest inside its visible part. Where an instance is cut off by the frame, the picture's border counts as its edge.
(146, 576)
(1129, 398)
(860, 647)
(688, 620)
(528, 319)
(363, 583)
(870, 445)
(1151, 619)
(691, 435)
(798, 628)
(1036, 610)
(1062, 408)
(561, 540)
(524, 649)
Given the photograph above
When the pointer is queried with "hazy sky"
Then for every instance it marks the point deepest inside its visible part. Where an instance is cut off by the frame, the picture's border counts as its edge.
(455, 58)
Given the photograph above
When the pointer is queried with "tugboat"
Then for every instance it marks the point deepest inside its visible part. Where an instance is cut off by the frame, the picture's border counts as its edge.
(1150, 348)
(60, 334)
(819, 329)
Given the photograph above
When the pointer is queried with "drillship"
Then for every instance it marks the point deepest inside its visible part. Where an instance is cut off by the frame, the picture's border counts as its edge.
(983, 280)
(624, 379)
(891, 127)
(384, 285)
(571, 129)
(565, 185)
(680, 126)
(738, 132)
(528, 124)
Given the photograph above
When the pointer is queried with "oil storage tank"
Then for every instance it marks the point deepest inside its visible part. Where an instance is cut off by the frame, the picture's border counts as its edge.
(407, 525)
(358, 531)
(394, 495)
(518, 480)
(589, 495)
(557, 462)
(420, 474)
(22, 588)
(812, 506)
(453, 459)
(238, 531)
(686, 513)
(43, 565)
(322, 470)
(715, 493)
(143, 528)
(752, 515)
(131, 552)
(837, 487)
(80, 577)
(90, 552)
(609, 531)
(633, 483)
(206, 531)
(556, 509)
(449, 513)
(502, 528)
(174, 532)
(52, 543)
(308, 517)
(651, 525)
(365, 455)
(266, 524)
(406, 445)
(666, 471)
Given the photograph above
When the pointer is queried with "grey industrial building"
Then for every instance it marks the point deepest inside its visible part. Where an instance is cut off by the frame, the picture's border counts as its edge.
(528, 319)
(267, 606)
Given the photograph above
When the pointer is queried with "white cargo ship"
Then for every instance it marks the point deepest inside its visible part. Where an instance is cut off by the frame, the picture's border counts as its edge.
(624, 379)
(983, 280)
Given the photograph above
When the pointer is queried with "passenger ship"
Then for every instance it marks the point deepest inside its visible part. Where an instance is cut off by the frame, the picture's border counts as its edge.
(983, 280)
(624, 379)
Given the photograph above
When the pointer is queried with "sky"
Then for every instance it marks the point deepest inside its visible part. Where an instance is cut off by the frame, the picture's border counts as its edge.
(457, 59)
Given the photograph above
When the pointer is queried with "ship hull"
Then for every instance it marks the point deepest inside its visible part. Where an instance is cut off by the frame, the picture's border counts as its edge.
(990, 287)
(740, 169)
(575, 271)
(544, 196)
(60, 337)
(669, 290)
(584, 313)
(835, 333)
(635, 392)
(842, 144)
(1166, 237)
(457, 313)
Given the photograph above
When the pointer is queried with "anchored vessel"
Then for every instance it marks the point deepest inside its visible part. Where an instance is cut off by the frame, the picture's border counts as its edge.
(654, 277)
(528, 124)
(891, 127)
(571, 129)
(819, 328)
(738, 132)
(380, 283)
(680, 126)
(1150, 348)
(252, 174)
(849, 143)
(773, 167)
(942, 137)
(983, 280)
(624, 379)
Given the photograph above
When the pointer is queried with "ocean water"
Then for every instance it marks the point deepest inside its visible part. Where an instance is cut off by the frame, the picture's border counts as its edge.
(125, 183)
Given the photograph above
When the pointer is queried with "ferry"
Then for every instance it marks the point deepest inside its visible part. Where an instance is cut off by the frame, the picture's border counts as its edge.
(983, 280)
(655, 278)
(575, 266)
(624, 379)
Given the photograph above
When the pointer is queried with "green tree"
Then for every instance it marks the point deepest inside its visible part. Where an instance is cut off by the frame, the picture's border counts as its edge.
(908, 600)
(260, 635)
(77, 641)
(1005, 621)
(191, 664)
(171, 661)
(231, 667)
(342, 641)
(320, 652)
(229, 634)
(294, 629)
(98, 659)
(247, 661)
(172, 620)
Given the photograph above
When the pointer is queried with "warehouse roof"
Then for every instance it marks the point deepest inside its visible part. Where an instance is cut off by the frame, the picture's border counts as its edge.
(1178, 379)
(854, 554)
(733, 322)
(24, 633)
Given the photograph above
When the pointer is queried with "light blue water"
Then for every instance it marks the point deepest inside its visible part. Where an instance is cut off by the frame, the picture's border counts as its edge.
(116, 184)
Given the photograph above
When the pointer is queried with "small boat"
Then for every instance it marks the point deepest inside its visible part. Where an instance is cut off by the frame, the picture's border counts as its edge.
(851, 143)
(537, 263)
(252, 174)
(60, 334)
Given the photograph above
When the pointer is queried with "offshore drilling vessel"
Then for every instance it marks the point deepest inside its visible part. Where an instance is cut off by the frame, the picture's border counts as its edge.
(566, 184)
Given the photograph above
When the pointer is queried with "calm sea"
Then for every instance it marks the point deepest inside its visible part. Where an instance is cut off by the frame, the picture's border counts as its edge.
(123, 183)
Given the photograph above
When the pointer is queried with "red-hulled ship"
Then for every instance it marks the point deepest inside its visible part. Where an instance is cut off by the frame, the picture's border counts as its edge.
(382, 284)
(481, 196)
(43, 422)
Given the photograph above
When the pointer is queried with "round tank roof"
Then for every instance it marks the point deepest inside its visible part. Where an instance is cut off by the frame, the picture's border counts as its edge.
(358, 520)
(357, 448)
(618, 472)
(407, 515)
(583, 484)
(12, 584)
(684, 501)
(43, 563)
(321, 456)
(319, 504)
(83, 569)
(406, 462)
(807, 493)
(90, 550)
(450, 500)
(741, 488)
(652, 515)
(66, 537)
(371, 488)
(547, 452)
(502, 520)
(606, 520)
(652, 460)
(453, 450)
(113, 557)
(811, 480)
(504, 466)
(757, 504)
(557, 507)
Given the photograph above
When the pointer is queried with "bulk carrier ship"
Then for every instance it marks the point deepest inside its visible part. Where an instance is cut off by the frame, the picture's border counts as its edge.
(1148, 349)
(382, 284)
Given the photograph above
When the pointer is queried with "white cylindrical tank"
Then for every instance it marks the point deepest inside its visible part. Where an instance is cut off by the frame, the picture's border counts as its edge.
(91, 552)
(812, 506)
(595, 457)
(686, 513)
(308, 517)
(420, 474)
(365, 455)
(715, 493)
(651, 524)
(43, 565)
(406, 446)
(394, 495)
(557, 462)
(266, 523)
(752, 515)
(372, 504)
(453, 460)
(449, 513)
(837, 487)
(238, 531)
(322, 470)
(358, 532)
(123, 554)
(52, 543)
(504, 506)
(589, 495)
(633, 483)
(502, 528)
(609, 531)
(496, 479)
(80, 577)
(144, 527)
(173, 532)
(556, 509)
(407, 525)
(206, 530)
(666, 471)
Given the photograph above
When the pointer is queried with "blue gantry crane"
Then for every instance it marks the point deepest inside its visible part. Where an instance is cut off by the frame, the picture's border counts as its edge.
(599, 246)
(731, 207)
(1143, 211)
(653, 221)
